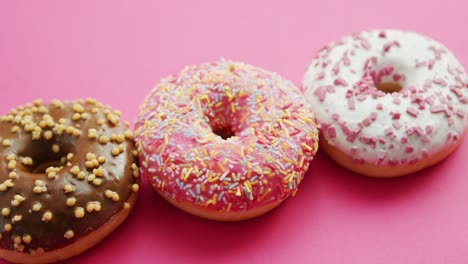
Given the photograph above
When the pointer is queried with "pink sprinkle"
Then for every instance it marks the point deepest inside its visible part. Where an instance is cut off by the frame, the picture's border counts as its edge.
(421, 105)
(354, 150)
(367, 121)
(351, 134)
(429, 101)
(396, 124)
(396, 101)
(351, 137)
(331, 132)
(368, 140)
(425, 139)
(440, 82)
(349, 93)
(370, 63)
(425, 152)
(387, 46)
(430, 65)
(417, 99)
(320, 93)
(404, 140)
(391, 146)
(379, 106)
(346, 60)
(413, 112)
(457, 91)
(335, 117)
(449, 69)
(420, 64)
(388, 131)
(437, 52)
(320, 75)
(361, 97)
(460, 113)
(404, 93)
(382, 34)
(437, 108)
(365, 44)
(395, 115)
(450, 121)
(397, 77)
(336, 68)
(340, 81)
(382, 141)
(380, 157)
(429, 129)
(409, 149)
(351, 104)
(410, 131)
(330, 88)
(419, 131)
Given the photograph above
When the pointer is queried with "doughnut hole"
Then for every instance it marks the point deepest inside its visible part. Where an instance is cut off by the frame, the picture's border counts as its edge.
(224, 132)
(388, 78)
(224, 122)
(45, 154)
(389, 87)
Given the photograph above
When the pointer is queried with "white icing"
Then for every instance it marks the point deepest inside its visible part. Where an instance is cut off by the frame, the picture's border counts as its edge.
(413, 49)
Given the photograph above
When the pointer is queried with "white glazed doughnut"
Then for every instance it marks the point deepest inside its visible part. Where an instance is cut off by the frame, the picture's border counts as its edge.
(388, 102)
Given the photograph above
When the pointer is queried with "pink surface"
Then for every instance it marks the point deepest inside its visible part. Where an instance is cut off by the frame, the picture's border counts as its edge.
(117, 51)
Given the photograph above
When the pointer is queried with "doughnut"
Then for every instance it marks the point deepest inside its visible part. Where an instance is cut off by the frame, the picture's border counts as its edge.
(225, 140)
(68, 178)
(388, 103)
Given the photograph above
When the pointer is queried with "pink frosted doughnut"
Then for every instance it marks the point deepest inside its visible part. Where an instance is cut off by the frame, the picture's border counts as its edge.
(388, 102)
(225, 141)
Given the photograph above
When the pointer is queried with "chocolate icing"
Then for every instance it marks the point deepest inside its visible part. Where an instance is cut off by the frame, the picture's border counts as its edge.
(120, 173)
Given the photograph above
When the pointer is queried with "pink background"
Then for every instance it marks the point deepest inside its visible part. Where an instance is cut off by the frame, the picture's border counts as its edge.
(117, 51)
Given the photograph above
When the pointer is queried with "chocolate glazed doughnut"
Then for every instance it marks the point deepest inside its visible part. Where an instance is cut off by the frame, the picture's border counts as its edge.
(68, 178)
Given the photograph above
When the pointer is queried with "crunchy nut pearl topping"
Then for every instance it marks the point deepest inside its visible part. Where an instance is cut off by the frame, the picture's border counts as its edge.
(27, 239)
(7, 227)
(6, 211)
(81, 175)
(47, 216)
(115, 151)
(68, 188)
(6, 143)
(79, 212)
(75, 170)
(17, 200)
(37, 207)
(16, 218)
(103, 140)
(55, 148)
(13, 175)
(69, 234)
(71, 201)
